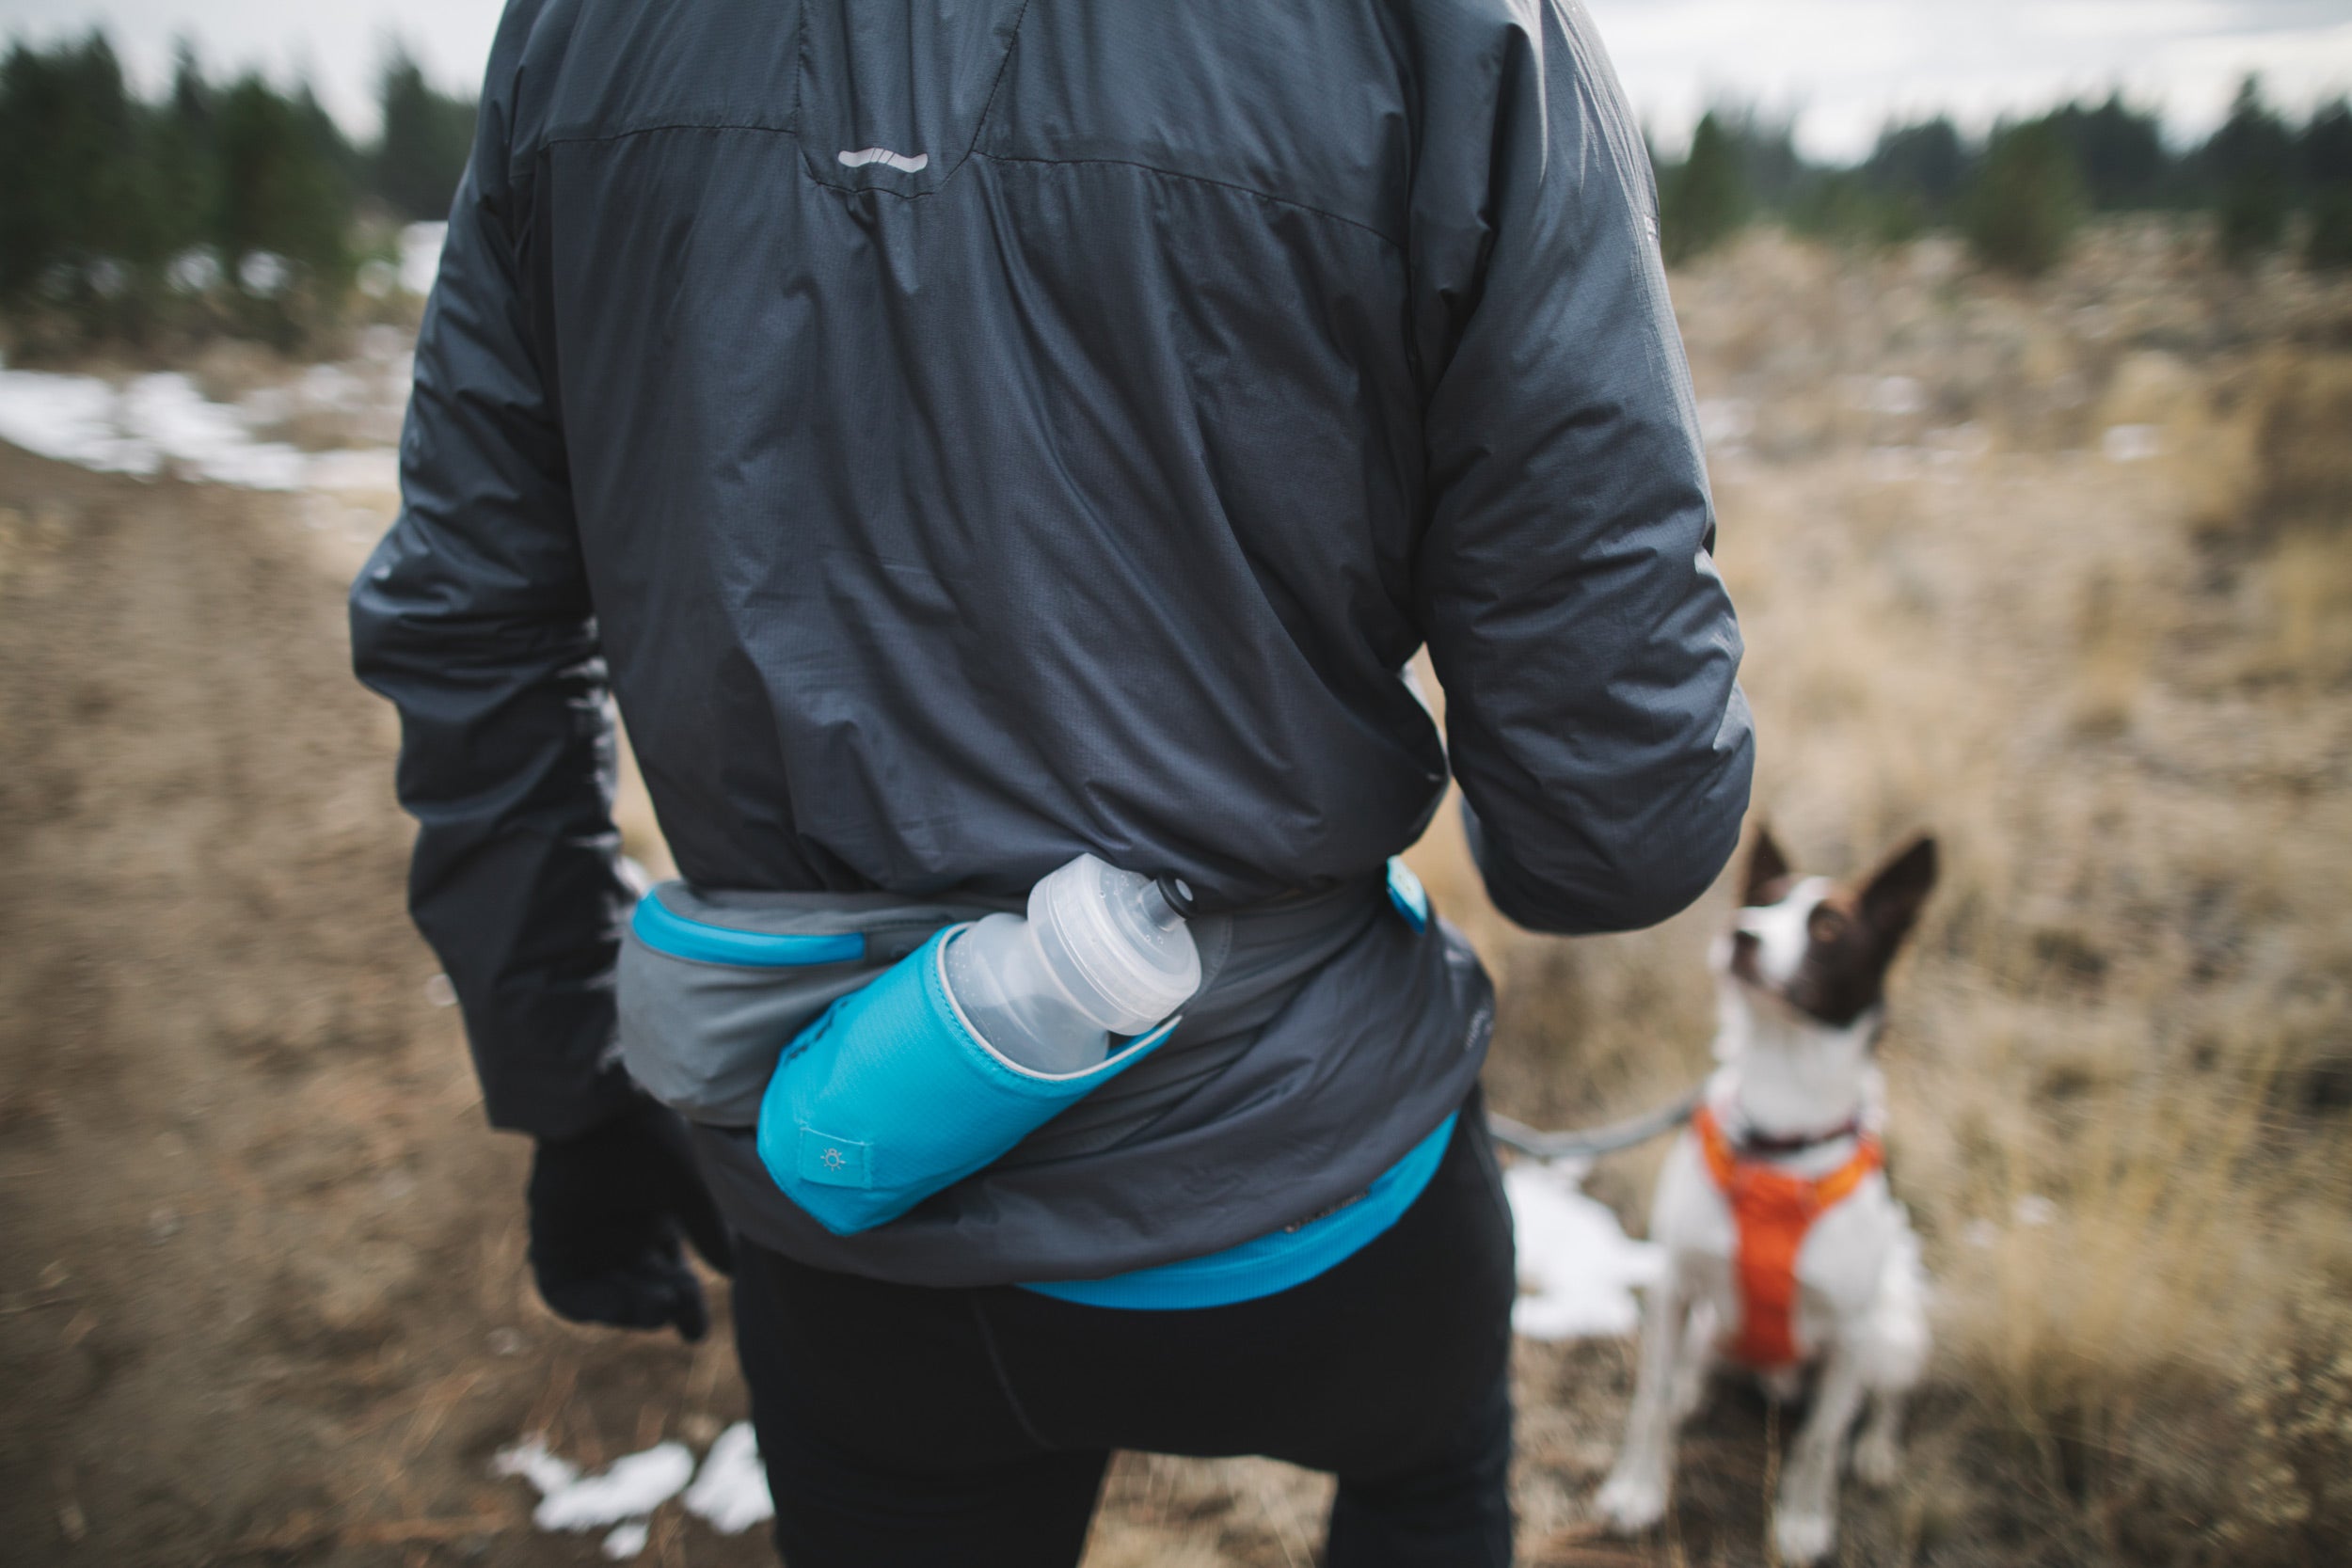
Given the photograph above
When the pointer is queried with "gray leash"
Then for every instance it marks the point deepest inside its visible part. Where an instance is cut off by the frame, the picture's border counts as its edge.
(1597, 1140)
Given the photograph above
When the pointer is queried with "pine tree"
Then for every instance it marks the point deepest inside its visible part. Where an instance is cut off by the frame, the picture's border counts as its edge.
(2120, 150)
(2249, 166)
(282, 192)
(1706, 198)
(80, 214)
(2324, 151)
(1925, 164)
(1845, 205)
(427, 138)
(2022, 210)
(185, 149)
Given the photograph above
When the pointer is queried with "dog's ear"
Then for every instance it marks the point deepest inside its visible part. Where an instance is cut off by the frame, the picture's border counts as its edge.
(1766, 866)
(1892, 898)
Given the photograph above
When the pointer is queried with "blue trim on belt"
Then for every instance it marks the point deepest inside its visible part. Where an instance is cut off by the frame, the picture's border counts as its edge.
(681, 938)
(1410, 898)
(1273, 1262)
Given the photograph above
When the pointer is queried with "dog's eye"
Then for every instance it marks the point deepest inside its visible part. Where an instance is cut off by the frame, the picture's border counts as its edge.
(1825, 923)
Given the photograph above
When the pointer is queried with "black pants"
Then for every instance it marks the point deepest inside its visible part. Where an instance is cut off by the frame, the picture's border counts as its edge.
(912, 1428)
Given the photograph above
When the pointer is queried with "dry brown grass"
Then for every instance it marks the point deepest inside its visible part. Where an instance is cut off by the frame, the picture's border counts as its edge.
(2112, 673)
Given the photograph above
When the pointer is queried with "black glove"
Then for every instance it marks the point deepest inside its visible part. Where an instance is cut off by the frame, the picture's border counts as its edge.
(607, 1210)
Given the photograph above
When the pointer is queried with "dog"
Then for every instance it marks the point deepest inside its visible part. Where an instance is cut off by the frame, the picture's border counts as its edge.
(1786, 1252)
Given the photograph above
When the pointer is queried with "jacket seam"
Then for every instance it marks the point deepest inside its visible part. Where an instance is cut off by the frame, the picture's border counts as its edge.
(1202, 179)
(995, 86)
(590, 137)
(793, 131)
(800, 69)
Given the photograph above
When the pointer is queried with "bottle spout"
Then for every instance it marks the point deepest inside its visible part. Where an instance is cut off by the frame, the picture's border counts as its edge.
(1168, 902)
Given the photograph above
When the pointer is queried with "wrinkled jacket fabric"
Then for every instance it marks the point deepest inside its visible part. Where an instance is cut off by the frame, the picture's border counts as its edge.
(964, 432)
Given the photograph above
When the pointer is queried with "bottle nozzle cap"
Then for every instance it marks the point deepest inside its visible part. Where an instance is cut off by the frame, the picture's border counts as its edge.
(1179, 896)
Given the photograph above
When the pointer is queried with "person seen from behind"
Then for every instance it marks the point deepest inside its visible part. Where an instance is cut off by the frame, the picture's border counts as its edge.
(993, 449)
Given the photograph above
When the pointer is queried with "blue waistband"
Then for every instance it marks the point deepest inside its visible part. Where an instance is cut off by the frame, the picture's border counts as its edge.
(1272, 1262)
(665, 931)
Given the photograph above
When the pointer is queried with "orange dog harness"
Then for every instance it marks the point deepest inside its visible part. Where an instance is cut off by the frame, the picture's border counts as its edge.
(1771, 1212)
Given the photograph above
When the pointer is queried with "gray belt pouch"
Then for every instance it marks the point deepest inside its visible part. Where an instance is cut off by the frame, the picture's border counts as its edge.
(711, 987)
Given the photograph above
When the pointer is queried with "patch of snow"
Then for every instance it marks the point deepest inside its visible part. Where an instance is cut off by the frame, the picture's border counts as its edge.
(193, 271)
(263, 272)
(1887, 394)
(631, 1489)
(420, 256)
(383, 343)
(70, 417)
(2131, 443)
(266, 404)
(333, 386)
(1897, 394)
(529, 1460)
(361, 469)
(731, 1492)
(207, 438)
(1577, 1268)
(1726, 422)
(2032, 1212)
(157, 421)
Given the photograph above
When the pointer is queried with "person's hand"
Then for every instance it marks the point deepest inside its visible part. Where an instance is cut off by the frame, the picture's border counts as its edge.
(608, 1208)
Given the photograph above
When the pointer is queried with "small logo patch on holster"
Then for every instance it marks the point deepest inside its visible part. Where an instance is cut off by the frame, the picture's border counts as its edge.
(834, 1161)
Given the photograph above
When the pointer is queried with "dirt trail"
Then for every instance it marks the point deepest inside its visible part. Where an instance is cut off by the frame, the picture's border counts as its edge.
(261, 1292)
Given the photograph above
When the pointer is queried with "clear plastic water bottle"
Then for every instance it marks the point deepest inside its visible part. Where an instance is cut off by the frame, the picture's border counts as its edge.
(1102, 952)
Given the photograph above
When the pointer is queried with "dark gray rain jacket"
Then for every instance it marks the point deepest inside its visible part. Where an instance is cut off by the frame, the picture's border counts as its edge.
(964, 432)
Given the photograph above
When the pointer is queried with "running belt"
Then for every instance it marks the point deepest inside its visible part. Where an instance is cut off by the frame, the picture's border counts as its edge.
(1276, 1261)
(1331, 1033)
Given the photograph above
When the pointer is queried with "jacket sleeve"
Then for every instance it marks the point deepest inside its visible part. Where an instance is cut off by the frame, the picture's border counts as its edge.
(1573, 613)
(474, 618)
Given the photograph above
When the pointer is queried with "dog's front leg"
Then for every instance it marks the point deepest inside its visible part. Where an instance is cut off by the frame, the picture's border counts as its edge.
(1897, 1349)
(1805, 1526)
(1701, 1333)
(1878, 1453)
(1634, 1496)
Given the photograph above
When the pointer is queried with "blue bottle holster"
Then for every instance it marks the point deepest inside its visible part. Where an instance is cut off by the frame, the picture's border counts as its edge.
(892, 1095)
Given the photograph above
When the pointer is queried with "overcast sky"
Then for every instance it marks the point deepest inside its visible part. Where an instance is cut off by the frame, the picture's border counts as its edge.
(1842, 66)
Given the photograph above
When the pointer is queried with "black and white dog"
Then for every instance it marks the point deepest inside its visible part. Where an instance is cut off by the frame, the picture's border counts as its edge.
(1786, 1251)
